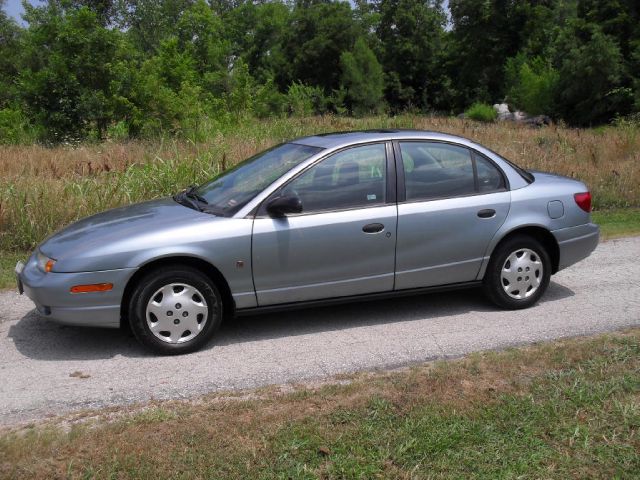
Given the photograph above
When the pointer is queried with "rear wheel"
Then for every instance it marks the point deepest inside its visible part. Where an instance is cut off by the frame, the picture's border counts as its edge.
(518, 273)
(175, 310)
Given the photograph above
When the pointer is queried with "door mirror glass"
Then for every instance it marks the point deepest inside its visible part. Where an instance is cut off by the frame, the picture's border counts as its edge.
(284, 205)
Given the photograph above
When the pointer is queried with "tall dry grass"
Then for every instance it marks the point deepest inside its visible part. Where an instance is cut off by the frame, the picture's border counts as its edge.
(42, 189)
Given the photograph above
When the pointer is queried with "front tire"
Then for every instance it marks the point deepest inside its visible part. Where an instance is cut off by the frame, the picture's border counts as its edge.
(518, 273)
(175, 310)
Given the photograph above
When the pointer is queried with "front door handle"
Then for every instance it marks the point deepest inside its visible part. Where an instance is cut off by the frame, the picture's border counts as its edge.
(373, 228)
(487, 213)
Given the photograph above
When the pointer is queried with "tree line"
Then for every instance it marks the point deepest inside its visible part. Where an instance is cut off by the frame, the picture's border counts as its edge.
(90, 69)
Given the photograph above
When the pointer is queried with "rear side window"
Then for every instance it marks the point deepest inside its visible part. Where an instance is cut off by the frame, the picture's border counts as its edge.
(435, 170)
(439, 170)
(490, 178)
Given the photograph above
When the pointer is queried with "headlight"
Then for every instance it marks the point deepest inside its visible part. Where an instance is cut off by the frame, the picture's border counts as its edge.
(44, 263)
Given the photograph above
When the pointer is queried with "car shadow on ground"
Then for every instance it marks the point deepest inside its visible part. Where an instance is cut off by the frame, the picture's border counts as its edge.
(40, 339)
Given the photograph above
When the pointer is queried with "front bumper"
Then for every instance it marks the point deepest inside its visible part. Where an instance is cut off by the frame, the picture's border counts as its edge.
(576, 243)
(51, 294)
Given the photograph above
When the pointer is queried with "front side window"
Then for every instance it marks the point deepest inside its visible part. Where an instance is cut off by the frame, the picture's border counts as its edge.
(233, 189)
(352, 178)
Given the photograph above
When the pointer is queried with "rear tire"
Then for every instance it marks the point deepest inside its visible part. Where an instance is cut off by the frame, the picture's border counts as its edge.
(175, 309)
(518, 273)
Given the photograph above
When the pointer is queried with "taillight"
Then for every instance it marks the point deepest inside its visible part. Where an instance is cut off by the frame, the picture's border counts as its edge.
(583, 200)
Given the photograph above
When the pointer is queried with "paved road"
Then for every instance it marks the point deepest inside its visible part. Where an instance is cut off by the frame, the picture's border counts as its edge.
(37, 357)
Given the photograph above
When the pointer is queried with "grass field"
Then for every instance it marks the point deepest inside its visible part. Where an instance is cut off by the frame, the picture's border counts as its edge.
(42, 189)
(617, 223)
(568, 409)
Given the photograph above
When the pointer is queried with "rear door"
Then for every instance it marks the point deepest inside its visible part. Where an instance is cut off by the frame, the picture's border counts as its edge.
(452, 201)
(343, 243)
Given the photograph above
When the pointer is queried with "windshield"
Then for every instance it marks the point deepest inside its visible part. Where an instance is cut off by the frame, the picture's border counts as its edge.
(231, 190)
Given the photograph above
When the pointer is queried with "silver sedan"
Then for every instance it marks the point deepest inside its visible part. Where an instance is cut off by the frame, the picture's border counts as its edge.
(326, 218)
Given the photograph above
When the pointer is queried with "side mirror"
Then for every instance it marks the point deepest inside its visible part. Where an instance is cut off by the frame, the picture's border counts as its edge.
(281, 206)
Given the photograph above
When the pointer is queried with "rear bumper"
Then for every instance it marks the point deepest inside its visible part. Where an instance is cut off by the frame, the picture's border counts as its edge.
(576, 243)
(51, 294)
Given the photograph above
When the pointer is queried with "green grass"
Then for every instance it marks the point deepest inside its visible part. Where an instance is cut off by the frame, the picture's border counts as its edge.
(560, 410)
(8, 262)
(618, 223)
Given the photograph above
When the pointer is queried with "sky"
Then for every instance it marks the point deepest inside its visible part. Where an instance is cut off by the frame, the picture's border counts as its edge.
(14, 8)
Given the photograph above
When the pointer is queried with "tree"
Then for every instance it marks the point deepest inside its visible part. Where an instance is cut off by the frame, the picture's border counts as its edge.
(10, 35)
(363, 79)
(318, 34)
(590, 71)
(412, 38)
(149, 22)
(485, 34)
(257, 33)
(201, 37)
(71, 71)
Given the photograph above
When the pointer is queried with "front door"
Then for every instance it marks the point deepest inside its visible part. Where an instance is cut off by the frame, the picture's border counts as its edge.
(343, 242)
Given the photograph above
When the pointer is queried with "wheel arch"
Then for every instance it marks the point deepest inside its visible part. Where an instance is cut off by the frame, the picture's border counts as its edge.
(541, 234)
(204, 266)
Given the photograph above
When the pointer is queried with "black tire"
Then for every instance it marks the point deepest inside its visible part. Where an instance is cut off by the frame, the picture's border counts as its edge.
(493, 281)
(207, 294)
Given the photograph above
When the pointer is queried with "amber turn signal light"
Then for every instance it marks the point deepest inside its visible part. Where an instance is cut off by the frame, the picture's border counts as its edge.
(49, 265)
(96, 287)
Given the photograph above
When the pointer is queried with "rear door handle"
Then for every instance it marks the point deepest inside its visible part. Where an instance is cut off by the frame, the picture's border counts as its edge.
(487, 213)
(373, 228)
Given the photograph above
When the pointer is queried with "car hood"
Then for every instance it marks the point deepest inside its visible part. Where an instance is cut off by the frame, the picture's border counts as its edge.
(113, 231)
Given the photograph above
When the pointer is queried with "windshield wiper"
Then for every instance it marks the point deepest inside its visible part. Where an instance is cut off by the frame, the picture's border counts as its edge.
(190, 198)
(191, 192)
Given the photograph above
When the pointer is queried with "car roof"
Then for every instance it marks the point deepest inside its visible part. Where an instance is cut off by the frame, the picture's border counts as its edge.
(341, 139)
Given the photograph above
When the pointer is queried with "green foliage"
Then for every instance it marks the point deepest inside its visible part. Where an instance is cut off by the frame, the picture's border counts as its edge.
(413, 40)
(532, 84)
(69, 80)
(486, 34)
(268, 101)
(304, 100)
(15, 128)
(590, 73)
(10, 35)
(481, 112)
(317, 35)
(363, 79)
(78, 67)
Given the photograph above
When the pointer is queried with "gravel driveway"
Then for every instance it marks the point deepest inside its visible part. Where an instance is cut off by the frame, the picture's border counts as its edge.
(49, 369)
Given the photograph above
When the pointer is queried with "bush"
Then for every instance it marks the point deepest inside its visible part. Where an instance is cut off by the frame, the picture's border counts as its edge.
(481, 112)
(532, 85)
(15, 128)
(304, 100)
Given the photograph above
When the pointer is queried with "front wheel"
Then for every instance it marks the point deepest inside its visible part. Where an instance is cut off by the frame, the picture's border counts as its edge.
(518, 273)
(175, 310)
